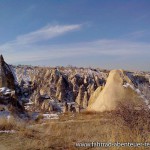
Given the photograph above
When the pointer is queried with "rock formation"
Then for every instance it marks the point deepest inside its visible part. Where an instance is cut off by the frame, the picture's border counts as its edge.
(85, 100)
(65, 108)
(73, 89)
(115, 93)
(61, 87)
(47, 106)
(94, 95)
(6, 75)
(79, 99)
(8, 96)
(91, 88)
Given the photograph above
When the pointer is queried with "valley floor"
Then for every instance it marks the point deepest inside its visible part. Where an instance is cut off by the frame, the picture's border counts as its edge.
(64, 133)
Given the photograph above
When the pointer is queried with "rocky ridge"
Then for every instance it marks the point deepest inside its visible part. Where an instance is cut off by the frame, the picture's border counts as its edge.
(64, 89)
(9, 102)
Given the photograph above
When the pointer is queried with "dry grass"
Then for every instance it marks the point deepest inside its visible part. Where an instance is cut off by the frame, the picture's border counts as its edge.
(121, 126)
(126, 125)
(7, 124)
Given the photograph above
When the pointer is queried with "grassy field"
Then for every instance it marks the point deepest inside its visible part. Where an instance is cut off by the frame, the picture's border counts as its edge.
(118, 126)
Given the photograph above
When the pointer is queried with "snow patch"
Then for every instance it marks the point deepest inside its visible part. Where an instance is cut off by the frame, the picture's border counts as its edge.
(50, 116)
(5, 90)
(7, 131)
(129, 85)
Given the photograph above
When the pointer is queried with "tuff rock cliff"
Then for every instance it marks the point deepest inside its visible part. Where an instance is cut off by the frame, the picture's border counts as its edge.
(8, 97)
(6, 75)
(66, 89)
(119, 90)
(71, 89)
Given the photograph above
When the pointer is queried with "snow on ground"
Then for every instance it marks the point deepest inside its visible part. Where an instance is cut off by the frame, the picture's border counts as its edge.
(7, 131)
(50, 116)
(129, 85)
(22, 74)
(5, 90)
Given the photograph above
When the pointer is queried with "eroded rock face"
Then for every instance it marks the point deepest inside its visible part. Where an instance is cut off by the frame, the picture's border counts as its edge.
(8, 95)
(114, 93)
(70, 89)
(61, 87)
(85, 99)
(47, 106)
(91, 88)
(94, 95)
(79, 99)
(61, 84)
(37, 99)
(6, 75)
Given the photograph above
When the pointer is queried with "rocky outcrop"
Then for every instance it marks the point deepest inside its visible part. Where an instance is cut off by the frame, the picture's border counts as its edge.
(6, 75)
(91, 88)
(85, 100)
(61, 84)
(73, 89)
(115, 93)
(47, 106)
(61, 87)
(79, 99)
(95, 95)
(37, 99)
(8, 95)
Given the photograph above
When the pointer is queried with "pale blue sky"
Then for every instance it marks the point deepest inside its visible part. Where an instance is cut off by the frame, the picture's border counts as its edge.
(97, 33)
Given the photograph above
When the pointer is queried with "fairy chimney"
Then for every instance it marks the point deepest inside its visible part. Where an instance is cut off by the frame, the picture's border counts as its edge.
(79, 98)
(85, 100)
(6, 75)
(60, 92)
